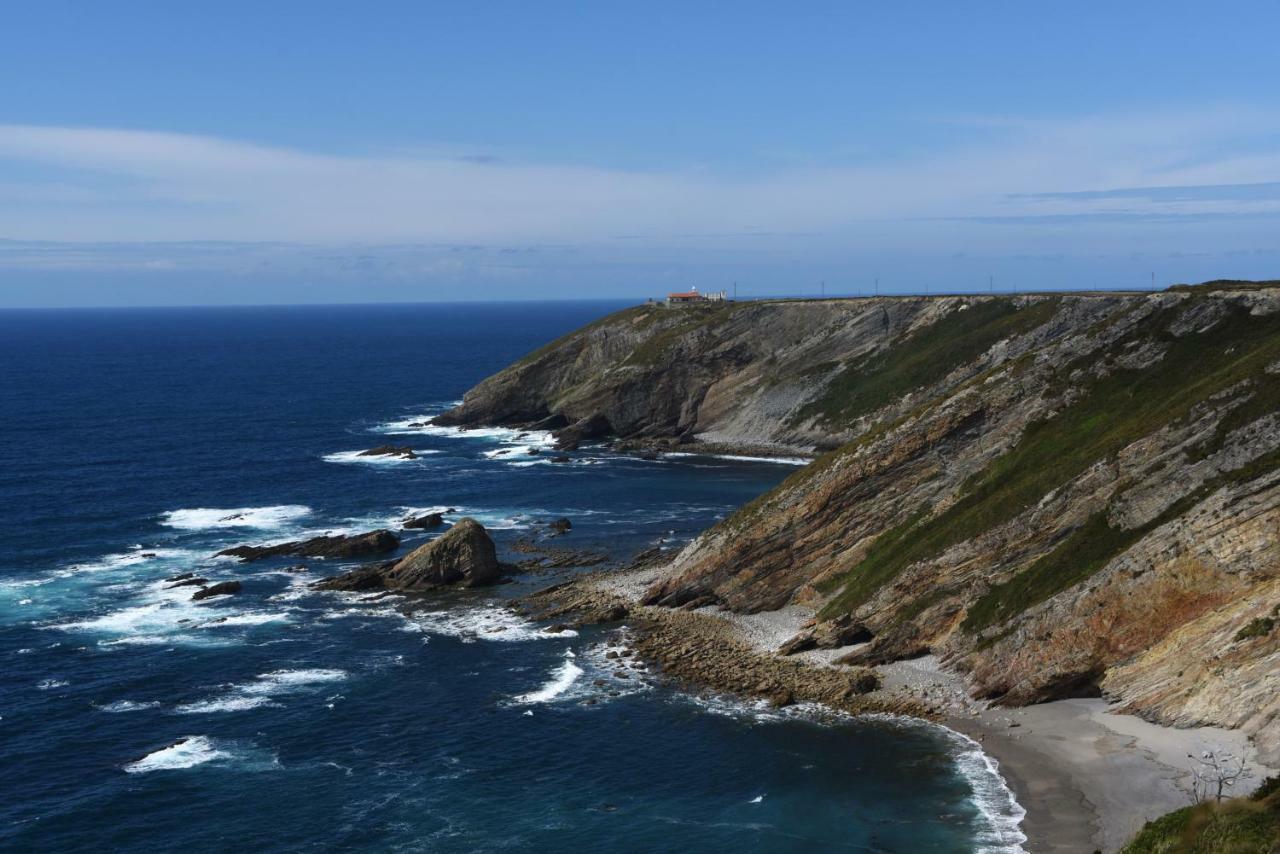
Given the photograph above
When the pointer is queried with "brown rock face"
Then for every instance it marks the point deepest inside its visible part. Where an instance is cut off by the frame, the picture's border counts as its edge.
(1044, 490)
(463, 557)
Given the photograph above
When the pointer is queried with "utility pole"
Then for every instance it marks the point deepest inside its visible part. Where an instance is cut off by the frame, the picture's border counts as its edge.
(1153, 281)
(735, 290)
(824, 288)
(877, 292)
(991, 284)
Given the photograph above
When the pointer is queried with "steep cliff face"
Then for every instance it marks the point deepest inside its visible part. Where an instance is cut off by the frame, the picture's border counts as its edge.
(1059, 494)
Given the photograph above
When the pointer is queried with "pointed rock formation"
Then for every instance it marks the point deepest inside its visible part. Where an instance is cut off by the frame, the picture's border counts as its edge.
(463, 557)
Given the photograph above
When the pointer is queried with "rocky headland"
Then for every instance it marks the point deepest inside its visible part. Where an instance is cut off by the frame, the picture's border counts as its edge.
(1049, 497)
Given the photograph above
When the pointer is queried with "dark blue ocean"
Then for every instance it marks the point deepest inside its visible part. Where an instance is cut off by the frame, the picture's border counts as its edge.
(136, 443)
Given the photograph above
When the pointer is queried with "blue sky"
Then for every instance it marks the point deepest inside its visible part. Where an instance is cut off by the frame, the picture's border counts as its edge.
(162, 153)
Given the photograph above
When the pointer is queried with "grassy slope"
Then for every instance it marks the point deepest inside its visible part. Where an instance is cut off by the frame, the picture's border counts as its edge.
(1237, 826)
(1114, 411)
(923, 358)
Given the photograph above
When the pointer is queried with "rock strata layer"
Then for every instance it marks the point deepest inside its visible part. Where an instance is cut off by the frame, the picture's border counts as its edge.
(1058, 494)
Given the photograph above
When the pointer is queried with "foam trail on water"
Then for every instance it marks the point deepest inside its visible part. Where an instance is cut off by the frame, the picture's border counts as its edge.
(785, 461)
(128, 706)
(184, 753)
(562, 679)
(207, 518)
(262, 690)
(380, 459)
(488, 622)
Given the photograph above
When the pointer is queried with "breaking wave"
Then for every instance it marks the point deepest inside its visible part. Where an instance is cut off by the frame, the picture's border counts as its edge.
(207, 518)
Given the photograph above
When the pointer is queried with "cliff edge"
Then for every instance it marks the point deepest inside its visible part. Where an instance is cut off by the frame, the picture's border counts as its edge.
(1061, 495)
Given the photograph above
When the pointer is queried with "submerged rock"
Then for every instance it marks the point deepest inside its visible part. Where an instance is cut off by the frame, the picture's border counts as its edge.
(222, 588)
(430, 520)
(561, 525)
(464, 557)
(403, 452)
(593, 427)
(338, 546)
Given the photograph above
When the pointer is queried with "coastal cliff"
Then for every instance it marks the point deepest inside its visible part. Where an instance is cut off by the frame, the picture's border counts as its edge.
(1059, 495)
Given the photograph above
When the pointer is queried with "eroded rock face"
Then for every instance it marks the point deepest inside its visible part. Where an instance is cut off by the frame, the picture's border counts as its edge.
(337, 546)
(463, 557)
(1043, 490)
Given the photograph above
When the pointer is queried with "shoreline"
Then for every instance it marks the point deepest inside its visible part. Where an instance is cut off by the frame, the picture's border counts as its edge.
(1086, 779)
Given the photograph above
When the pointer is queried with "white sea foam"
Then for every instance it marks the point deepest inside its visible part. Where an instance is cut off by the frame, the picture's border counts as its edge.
(786, 461)
(262, 690)
(562, 679)
(186, 753)
(487, 622)
(380, 459)
(1001, 813)
(46, 684)
(128, 706)
(206, 518)
(235, 703)
(257, 618)
(167, 616)
(511, 436)
(134, 557)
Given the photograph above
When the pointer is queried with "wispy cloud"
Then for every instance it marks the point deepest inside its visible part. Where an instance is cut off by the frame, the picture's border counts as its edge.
(106, 185)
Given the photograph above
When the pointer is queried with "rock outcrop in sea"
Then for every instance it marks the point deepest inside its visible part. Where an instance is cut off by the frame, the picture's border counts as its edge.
(1058, 494)
(463, 557)
(336, 546)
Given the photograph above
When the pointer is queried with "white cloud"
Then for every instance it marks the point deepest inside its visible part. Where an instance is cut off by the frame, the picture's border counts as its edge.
(92, 184)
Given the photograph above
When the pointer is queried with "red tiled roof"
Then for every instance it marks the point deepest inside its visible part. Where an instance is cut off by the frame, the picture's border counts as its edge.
(688, 295)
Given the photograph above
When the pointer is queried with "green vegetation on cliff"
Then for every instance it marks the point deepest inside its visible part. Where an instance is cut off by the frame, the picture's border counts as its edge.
(923, 358)
(1237, 826)
(1112, 412)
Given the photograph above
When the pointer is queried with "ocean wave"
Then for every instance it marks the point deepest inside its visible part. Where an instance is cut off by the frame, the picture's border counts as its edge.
(1001, 813)
(136, 556)
(223, 704)
(187, 752)
(487, 622)
(785, 461)
(419, 425)
(169, 616)
(380, 459)
(252, 618)
(47, 684)
(562, 679)
(207, 518)
(262, 690)
(193, 751)
(120, 706)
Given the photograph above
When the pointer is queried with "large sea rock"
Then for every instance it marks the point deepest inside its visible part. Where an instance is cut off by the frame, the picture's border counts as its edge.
(464, 557)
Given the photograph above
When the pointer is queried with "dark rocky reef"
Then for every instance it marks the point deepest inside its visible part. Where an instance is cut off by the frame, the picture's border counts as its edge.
(403, 452)
(463, 557)
(222, 588)
(337, 546)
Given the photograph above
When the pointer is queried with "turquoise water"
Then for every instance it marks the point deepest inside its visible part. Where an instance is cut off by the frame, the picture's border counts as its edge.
(137, 443)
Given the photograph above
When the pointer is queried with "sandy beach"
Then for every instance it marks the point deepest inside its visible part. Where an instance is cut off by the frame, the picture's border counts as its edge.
(1087, 778)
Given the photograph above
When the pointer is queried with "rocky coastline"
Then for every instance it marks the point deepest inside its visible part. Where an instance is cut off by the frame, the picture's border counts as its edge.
(1023, 515)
